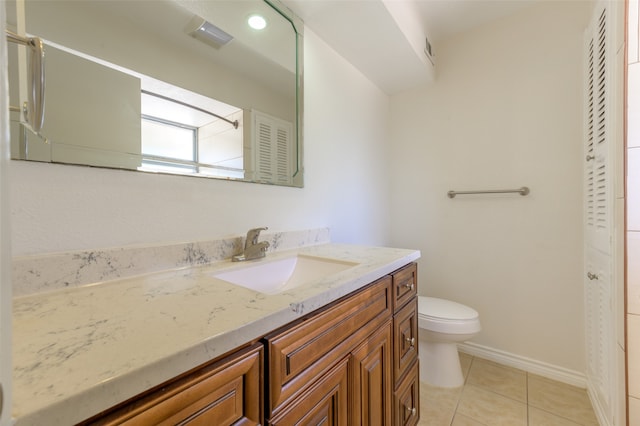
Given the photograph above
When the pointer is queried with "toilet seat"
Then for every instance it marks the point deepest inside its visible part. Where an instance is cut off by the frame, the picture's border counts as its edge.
(445, 316)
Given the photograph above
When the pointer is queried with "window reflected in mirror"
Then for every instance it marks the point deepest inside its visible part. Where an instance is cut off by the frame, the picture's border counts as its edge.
(186, 138)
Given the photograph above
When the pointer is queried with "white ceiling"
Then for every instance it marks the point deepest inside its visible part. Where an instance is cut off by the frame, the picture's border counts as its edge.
(388, 47)
(446, 18)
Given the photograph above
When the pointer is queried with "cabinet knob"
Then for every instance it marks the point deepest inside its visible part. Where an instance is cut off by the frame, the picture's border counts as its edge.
(409, 285)
(411, 411)
(592, 276)
(591, 157)
(411, 341)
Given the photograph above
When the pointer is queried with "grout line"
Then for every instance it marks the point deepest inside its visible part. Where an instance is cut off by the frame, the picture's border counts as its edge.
(464, 385)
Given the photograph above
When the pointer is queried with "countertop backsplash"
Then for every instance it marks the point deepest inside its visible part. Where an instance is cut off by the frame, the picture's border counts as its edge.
(48, 272)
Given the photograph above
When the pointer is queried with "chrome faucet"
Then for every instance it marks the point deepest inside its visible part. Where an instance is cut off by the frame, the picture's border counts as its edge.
(252, 248)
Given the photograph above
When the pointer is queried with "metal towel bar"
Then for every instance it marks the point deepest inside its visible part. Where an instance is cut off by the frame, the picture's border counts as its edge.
(522, 191)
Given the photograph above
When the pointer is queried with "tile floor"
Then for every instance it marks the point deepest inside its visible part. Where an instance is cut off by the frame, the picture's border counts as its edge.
(495, 395)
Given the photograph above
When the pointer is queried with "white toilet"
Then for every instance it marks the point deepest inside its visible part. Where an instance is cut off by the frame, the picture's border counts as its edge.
(443, 324)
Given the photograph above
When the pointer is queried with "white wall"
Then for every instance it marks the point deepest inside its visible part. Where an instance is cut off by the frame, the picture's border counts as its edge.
(505, 111)
(59, 208)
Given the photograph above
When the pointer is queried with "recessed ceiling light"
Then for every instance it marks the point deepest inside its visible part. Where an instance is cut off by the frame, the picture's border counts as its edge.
(257, 22)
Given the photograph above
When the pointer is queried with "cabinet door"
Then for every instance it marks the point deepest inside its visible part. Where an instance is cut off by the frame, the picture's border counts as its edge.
(405, 339)
(326, 402)
(224, 393)
(371, 379)
(407, 399)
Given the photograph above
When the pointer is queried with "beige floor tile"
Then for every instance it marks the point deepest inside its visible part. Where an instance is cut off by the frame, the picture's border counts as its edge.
(437, 405)
(493, 395)
(564, 400)
(490, 408)
(460, 420)
(506, 381)
(431, 419)
(538, 417)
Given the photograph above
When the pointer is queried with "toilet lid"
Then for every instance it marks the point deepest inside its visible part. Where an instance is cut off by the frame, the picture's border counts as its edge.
(432, 307)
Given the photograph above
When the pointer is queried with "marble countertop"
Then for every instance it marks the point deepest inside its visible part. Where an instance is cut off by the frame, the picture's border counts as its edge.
(79, 351)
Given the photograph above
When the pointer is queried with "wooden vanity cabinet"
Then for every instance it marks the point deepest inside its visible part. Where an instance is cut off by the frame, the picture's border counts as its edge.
(354, 362)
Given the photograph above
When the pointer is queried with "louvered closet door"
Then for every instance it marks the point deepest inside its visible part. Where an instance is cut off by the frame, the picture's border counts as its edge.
(598, 206)
(597, 171)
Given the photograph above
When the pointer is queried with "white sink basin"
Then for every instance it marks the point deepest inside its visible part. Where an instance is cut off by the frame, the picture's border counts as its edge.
(278, 275)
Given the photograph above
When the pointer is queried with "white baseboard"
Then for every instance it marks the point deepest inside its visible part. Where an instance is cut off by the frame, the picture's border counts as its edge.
(598, 409)
(529, 365)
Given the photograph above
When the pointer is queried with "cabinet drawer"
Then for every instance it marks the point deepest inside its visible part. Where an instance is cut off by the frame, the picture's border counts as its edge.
(406, 404)
(300, 353)
(223, 393)
(405, 339)
(324, 403)
(405, 285)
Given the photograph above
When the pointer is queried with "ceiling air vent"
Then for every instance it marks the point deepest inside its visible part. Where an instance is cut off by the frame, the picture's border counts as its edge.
(428, 51)
(207, 32)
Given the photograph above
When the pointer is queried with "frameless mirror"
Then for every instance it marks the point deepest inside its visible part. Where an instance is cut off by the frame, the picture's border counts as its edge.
(167, 86)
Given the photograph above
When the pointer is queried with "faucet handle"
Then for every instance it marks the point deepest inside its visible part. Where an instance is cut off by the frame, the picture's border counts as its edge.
(253, 234)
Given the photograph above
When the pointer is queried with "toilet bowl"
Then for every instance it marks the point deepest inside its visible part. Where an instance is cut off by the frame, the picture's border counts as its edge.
(443, 324)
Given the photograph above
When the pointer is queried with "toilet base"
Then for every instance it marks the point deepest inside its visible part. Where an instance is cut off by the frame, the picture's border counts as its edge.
(440, 364)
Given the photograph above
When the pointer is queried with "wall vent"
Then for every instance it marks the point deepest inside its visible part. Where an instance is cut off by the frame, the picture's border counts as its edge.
(207, 32)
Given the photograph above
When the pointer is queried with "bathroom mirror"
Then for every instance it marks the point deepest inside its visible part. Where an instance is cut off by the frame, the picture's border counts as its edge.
(166, 86)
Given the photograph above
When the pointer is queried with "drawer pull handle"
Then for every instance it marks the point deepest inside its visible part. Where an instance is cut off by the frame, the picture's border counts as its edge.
(411, 411)
(408, 285)
(411, 341)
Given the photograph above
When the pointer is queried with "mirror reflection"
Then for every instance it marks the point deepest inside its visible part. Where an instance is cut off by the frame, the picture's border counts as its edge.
(169, 86)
